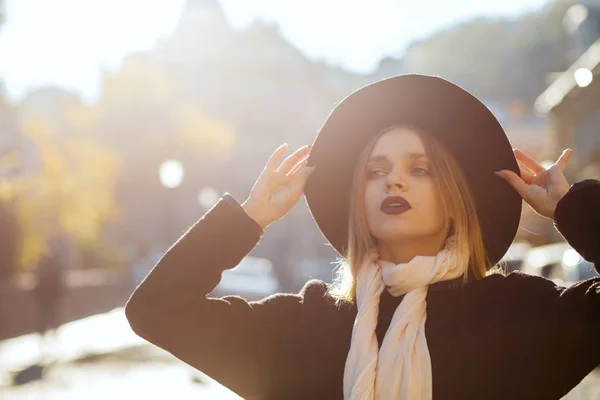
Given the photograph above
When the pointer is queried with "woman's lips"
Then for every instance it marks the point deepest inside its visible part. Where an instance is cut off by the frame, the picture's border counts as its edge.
(394, 205)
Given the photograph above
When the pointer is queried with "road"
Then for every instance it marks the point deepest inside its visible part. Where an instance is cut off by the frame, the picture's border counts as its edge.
(140, 372)
(101, 358)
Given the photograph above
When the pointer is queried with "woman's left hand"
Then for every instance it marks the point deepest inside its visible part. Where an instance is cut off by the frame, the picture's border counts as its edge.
(541, 188)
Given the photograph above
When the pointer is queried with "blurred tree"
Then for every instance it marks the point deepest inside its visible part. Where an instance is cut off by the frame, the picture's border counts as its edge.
(465, 54)
(141, 119)
(9, 233)
(144, 118)
(9, 163)
(71, 192)
(9, 229)
(140, 105)
(505, 60)
(197, 131)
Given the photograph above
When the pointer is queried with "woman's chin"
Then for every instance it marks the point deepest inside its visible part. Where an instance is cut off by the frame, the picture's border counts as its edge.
(395, 234)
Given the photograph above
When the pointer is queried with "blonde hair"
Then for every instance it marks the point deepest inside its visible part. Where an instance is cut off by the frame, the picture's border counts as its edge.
(457, 201)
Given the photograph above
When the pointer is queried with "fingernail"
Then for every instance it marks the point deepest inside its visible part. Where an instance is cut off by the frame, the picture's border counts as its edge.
(499, 173)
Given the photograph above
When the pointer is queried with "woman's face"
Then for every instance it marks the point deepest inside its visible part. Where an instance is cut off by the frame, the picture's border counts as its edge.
(398, 166)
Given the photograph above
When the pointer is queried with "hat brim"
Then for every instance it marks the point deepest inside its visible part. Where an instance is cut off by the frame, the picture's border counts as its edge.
(462, 123)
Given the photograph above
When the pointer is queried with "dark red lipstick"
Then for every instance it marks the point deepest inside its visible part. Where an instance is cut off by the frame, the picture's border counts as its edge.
(394, 205)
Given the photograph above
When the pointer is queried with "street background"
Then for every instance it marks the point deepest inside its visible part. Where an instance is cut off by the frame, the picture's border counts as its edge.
(122, 122)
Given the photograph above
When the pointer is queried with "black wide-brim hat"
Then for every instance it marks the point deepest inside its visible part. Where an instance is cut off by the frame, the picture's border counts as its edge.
(432, 105)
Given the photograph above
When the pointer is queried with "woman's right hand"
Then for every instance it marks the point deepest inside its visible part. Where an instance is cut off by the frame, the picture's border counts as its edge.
(277, 190)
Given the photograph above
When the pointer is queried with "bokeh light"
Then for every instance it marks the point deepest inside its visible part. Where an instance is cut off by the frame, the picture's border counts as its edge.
(207, 197)
(171, 173)
(583, 77)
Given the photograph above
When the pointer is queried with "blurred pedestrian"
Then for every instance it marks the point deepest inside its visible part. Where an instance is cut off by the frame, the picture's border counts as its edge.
(414, 182)
(49, 293)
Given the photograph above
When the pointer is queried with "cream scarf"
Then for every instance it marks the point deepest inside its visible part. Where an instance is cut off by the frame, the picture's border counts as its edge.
(402, 368)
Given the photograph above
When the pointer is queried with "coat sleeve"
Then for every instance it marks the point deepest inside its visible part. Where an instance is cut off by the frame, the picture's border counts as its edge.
(238, 343)
(577, 217)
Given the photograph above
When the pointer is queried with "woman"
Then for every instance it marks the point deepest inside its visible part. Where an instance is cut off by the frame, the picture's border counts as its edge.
(414, 183)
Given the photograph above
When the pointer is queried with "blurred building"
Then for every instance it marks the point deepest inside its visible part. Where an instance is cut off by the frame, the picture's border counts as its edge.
(572, 99)
(268, 92)
(526, 130)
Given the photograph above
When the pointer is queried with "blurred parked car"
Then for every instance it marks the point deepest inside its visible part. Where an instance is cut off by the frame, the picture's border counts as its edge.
(581, 268)
(558, 262)
(253, 279)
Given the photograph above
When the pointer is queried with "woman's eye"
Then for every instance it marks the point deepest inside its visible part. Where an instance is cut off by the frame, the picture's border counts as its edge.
(374, 173)
(420, 170)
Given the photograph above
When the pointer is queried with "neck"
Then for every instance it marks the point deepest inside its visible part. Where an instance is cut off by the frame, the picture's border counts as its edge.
(404, 251)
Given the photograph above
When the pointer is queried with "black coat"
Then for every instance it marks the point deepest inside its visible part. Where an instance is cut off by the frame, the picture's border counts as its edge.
(501, 337)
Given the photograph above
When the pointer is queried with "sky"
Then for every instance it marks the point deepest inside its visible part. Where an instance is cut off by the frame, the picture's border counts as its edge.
(43, 44)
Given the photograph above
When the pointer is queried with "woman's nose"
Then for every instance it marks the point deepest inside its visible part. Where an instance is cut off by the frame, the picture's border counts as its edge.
(396, 181)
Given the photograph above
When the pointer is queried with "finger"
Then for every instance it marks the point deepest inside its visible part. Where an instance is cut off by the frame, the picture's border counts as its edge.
(528, 162)
(275, 157)
(300, 181)
(298, 166)
(515, 181)
(289, 163)
(523, 167)
(526, 175)
(563, 159)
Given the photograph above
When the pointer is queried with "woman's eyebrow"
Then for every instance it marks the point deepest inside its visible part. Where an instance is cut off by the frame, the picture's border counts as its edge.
(411, 156)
